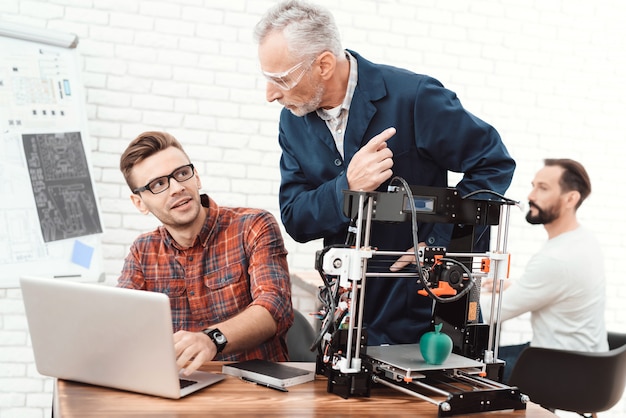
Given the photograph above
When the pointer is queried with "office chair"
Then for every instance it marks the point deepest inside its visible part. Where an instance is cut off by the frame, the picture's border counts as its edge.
(300, 337)
(616, 340)
(581, 382)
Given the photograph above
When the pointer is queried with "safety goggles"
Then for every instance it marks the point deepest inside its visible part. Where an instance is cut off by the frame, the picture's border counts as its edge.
(287, 80)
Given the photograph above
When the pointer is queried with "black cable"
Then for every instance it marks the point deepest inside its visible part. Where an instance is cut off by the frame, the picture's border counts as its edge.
(505, 199)
(329, 304)
(351, 235)
(418, 265)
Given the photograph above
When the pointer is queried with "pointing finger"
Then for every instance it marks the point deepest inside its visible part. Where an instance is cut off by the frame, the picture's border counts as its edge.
(379, 141)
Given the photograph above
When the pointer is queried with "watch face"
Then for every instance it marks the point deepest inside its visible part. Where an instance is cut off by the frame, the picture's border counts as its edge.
(219, 337)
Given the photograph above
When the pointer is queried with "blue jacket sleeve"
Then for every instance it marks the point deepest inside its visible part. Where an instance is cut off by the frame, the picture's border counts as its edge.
(458, 141)
(311, 199)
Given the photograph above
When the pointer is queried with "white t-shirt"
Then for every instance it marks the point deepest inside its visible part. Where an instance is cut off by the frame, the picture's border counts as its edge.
(563, 288)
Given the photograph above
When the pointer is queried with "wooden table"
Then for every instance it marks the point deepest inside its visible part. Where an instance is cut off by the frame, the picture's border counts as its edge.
(235, 398)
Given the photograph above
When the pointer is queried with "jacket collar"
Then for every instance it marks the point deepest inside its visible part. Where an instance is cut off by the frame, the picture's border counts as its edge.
(369, 89)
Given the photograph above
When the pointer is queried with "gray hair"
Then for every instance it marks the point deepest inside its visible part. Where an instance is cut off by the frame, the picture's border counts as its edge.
(308, 28)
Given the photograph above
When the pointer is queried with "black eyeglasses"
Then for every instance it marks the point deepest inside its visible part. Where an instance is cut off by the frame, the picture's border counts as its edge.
(161, 184)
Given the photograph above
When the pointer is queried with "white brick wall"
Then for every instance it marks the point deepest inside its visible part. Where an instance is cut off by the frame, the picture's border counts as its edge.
(548, 75)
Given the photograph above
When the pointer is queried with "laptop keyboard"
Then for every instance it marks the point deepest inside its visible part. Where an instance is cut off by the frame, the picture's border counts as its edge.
(186, 382)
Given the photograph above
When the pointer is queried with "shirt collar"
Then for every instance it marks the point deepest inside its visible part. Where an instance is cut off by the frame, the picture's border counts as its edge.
(352, 80)
(207, 229)
(211, 219)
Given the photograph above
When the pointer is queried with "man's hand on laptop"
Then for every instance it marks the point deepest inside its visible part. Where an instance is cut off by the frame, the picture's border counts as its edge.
(195, 347)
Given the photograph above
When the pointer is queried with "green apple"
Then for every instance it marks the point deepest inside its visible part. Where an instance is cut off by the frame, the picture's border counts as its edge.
(435, 346)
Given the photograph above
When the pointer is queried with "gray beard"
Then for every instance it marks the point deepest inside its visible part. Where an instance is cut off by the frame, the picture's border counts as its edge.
(311, 106)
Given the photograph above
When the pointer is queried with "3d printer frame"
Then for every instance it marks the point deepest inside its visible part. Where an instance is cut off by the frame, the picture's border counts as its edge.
(450, 279)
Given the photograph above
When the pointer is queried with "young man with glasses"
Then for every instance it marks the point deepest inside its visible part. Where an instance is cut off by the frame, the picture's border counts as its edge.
(223, 268)
(348, 123)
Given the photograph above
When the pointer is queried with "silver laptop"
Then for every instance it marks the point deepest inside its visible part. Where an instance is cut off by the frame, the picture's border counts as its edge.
(106, 336)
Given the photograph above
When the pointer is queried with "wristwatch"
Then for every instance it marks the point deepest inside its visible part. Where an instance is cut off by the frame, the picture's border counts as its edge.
(217, 337)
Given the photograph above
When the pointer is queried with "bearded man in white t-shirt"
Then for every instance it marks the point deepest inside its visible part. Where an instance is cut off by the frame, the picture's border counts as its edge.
(562, 288)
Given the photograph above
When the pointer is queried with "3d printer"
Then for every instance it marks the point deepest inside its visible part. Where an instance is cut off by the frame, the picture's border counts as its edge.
(469, 380)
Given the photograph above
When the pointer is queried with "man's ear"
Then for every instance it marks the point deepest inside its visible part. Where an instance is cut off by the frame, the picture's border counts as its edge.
(327, 64)
(198, 181)
(573, 197)
(138, 202)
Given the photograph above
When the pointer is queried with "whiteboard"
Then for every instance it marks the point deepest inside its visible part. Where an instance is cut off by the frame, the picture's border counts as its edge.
(50, 223)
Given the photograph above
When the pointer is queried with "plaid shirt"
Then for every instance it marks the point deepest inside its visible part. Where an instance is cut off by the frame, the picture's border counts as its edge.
(237, 260)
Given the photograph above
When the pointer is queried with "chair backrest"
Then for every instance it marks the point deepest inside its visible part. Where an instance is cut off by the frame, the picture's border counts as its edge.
(570, 380)
(300, 337)
(616, 340)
